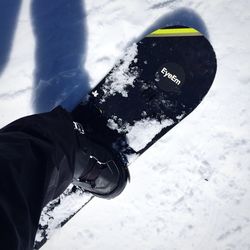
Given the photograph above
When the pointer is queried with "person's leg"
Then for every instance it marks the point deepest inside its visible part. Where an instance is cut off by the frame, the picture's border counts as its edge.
(40, 155)
(36, 165)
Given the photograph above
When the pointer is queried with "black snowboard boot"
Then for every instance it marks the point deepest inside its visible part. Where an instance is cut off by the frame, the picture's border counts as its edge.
(98, 169)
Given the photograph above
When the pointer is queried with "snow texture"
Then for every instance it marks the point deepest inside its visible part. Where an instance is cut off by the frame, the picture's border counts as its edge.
(53, 216)
(191, 190)
(144, 131)
(122, 75)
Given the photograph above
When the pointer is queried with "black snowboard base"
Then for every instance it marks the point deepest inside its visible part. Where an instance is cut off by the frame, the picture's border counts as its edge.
(159, 81)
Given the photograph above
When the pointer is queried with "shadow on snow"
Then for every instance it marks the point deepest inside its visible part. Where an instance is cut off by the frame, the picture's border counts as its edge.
(9, 10)
(61, 34)
(60, 31)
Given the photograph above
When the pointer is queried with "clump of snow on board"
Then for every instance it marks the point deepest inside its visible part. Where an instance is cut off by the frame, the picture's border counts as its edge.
(53, 216)
(141, 132)
(122, 76)
(144, 131)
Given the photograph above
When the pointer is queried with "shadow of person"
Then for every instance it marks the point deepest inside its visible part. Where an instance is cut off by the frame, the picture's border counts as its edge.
(60, 32)
(9, 10)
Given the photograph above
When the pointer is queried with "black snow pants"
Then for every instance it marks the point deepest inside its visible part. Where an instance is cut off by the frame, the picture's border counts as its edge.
(36, 165)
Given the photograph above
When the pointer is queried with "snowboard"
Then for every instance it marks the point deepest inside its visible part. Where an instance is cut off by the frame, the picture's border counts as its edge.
(158, 82)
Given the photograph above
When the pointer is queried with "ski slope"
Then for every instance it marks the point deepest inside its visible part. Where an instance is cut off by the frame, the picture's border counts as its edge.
(192, 189)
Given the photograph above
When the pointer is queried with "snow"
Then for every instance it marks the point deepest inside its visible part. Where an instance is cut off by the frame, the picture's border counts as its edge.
(192, 188)
(145, 130)
(141, 132)
(122, 76)
(53, 216)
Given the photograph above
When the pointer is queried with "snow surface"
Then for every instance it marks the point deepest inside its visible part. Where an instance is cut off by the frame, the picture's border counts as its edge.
(192, 189)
